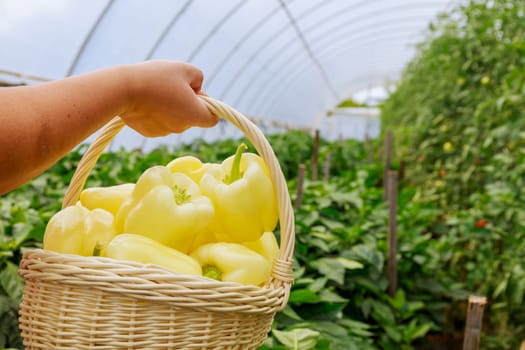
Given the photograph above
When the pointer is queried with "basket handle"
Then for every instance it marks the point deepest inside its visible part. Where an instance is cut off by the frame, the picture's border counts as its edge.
(282, 270)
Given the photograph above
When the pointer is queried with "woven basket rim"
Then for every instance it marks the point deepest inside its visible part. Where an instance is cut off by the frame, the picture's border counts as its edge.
(149, 282)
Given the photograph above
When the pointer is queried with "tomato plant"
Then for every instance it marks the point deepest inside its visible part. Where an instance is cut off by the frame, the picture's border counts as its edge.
(457, 114)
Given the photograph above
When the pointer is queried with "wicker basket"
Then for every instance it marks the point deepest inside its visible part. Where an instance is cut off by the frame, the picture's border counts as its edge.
(75, 302)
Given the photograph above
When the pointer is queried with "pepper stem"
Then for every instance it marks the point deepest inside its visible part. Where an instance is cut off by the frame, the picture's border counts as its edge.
(97, 249)
(212, 271)
(235, 172)
(181, 195)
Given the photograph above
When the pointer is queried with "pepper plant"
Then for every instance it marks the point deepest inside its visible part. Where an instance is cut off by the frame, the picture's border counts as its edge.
(457, 115)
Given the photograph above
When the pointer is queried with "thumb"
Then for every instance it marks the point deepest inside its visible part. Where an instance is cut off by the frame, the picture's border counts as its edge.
(204, 117)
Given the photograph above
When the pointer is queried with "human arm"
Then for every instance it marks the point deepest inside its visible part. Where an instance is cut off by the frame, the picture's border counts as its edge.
(41, 123)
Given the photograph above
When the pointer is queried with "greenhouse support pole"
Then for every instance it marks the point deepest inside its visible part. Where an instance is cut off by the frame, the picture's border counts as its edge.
(315, 156)
(392, 234)
(476, 304)
(300, 184)
(388, 158)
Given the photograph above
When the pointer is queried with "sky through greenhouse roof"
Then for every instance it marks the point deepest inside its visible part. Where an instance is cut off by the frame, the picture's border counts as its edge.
(277, 60)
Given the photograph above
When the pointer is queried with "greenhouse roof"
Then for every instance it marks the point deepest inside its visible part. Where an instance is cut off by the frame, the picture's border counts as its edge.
(285, 62)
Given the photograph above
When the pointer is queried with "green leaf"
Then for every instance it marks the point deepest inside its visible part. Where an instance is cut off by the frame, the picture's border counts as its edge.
(365, 254)
(322, 311)
(21, 232)
(348, 197)
(399, 300)
(368, 284)
(517, 293)
(329, 328)
(290, 312)
(349, 264)
(298, 272)
(9, 331)
(331, 297)
(11, 282)
(382, 313)
(356, 327)
(331, 268)
(297, 339)
(318, 284)
(414, 331)
(394, 333)
(303, 296)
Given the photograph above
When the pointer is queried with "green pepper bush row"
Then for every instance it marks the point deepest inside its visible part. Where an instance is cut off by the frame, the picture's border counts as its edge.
(339, 299)
(460, 104)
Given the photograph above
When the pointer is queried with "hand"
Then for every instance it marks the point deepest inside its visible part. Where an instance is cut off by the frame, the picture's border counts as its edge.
(155, 98)
(162, 98)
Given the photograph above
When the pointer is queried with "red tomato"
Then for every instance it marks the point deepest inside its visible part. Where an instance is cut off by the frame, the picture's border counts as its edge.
(481, 223)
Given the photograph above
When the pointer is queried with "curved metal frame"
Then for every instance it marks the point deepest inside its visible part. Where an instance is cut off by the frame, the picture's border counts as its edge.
(265, 104)
(278, 87)
(309, 50)
(363, 80)
(344, 31)
(211, 77)
(294, 56)
(263, 46)
(292, 60)
(250, 32)
(214, 30)
(167, 29)
(326, 37)
(88, 37)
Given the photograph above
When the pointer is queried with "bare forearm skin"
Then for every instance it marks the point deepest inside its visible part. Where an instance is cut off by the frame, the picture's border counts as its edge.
(40, 124)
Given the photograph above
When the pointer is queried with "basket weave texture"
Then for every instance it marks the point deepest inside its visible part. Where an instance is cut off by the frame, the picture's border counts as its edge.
(76, 302)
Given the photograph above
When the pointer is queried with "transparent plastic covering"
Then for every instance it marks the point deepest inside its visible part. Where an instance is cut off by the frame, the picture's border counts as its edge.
(284, 63)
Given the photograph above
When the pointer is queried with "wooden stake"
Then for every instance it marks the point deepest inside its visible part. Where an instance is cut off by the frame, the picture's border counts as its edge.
(315, 156)
(300, 184)
(327, 164)
(392, 235)
(388, 158)
(476, 304)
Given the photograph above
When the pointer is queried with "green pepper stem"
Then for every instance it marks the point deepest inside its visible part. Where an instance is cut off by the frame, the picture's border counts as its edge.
(235, 172)
(97, 249)
(180, 194)
(212, 271)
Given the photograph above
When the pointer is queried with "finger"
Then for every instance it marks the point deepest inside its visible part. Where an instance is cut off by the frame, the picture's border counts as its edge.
(198, 112)
(196, 79)
(208, 119)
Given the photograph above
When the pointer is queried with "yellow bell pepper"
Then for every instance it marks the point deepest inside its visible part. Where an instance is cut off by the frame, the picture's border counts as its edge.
(145, 250)
(77, 230)
(202, 238)
(243, 195)
(107, 198)
(191, 166)
(232, 262)
(267, 246)
(166, 207)
(152, 177)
